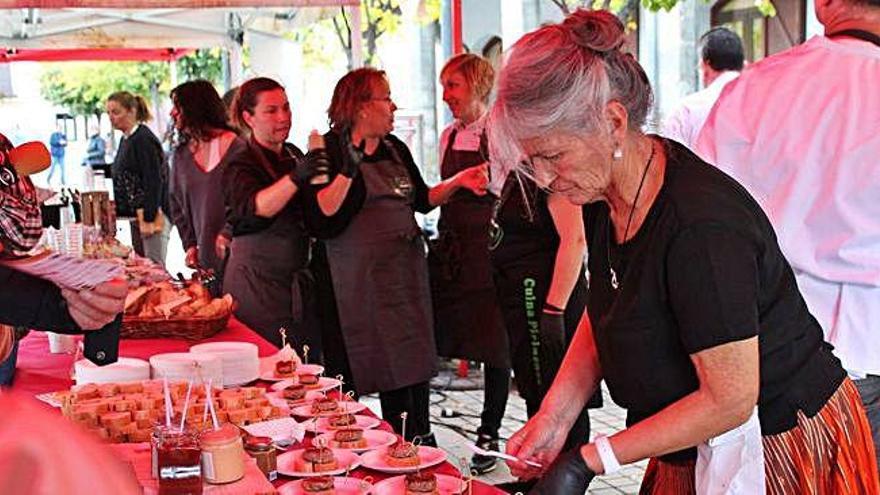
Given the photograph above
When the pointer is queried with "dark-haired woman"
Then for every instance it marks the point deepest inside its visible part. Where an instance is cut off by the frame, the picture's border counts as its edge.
(695, 320)
(206, 141)
(266, 272)
(375, 250)
(140, 173)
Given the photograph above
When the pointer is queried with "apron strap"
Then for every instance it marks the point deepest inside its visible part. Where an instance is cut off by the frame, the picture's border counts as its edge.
(858, 34)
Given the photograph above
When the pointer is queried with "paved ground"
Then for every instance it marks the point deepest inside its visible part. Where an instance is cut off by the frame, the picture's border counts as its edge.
(455, 433)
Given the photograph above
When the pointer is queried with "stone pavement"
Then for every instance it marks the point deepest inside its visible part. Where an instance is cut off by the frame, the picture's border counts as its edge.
(455, 433)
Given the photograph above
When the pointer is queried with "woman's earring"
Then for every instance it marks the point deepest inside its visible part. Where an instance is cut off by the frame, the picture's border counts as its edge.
(618, 153)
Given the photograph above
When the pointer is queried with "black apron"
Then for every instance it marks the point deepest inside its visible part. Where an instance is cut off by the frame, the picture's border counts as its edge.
(380, 279)
(267, 275)
(467, 319)
(523, 259)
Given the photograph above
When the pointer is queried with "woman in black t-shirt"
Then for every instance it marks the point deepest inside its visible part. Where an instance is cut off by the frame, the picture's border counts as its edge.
(694, 315)
(262, 182)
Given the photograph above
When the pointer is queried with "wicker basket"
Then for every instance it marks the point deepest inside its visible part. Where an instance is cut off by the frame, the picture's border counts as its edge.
(190, 328)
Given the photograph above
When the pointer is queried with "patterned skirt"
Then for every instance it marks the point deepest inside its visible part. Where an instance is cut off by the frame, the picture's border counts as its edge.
(830, 454)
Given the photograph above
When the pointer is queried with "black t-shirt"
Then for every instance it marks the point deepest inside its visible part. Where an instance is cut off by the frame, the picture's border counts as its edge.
(249, 170)
(703, 270)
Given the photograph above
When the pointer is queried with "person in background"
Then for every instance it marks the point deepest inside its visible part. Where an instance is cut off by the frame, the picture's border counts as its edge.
(96, 154)
(57, 149)
(801, 131)
(721, 60)
(267, 271)
(206, 143)
(694, 321)
(140, 173)
(375, 251)
(467, 319)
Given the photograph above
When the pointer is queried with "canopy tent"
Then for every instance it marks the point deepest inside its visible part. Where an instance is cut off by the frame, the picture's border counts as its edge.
(149, 29)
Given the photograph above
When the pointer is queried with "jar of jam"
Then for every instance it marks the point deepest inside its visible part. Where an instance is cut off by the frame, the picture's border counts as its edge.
(263, 451)
(178, 461)
(222, 455)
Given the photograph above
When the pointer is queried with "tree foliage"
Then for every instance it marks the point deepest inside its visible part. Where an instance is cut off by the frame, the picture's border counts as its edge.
(82, 87)
(379, 17)
(201, 64)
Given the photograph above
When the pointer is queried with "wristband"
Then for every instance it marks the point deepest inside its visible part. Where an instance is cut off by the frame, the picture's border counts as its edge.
(553, 308)
(610, 464)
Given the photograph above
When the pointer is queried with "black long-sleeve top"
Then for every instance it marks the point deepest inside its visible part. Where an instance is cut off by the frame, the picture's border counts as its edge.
(325, 227)
(140, 175)
(249, 170)
(30, 302)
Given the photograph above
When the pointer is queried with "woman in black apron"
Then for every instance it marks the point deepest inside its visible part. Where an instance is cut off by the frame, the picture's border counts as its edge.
(467, 319)
(266, 272)
(375, 251)
(537, 249)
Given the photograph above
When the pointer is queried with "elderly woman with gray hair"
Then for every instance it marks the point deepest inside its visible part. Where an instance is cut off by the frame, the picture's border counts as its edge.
(694, 317)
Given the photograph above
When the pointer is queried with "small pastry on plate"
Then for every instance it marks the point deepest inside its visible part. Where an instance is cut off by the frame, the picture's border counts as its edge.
(325, 405)
(309, 380)
(421, 483)
(350, 438)
(403, 454)
(317, 460)
(342, 421)
(319, 485)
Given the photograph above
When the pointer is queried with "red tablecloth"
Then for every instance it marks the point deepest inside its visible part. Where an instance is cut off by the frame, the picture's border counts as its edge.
(39, 372)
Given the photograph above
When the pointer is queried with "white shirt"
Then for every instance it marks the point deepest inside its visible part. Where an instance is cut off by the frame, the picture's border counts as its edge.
(685, 122)
(801, 131)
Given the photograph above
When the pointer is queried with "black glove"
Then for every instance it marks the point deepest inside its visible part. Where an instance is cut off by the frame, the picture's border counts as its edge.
(351, 155)
(314, 163)
(568, 475)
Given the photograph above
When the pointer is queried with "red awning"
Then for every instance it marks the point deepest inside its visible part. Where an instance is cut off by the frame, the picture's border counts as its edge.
(71, 54)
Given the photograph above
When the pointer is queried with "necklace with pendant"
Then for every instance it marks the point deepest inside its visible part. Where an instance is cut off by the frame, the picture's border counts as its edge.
(615, 284)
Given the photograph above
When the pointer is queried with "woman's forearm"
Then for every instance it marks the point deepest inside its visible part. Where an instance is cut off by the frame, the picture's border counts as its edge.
(729, 384)
(272, 199)
(441, 193)
(570, 253)
(330, 198)
(578, 377)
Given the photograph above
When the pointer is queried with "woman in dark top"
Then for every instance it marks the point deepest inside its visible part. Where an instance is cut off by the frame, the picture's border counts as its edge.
(206, 141)
(266, 272)
(140, 174)
(694, 315)
(375, 251)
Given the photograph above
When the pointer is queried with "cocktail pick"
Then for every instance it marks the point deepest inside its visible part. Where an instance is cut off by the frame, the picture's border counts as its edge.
(341, 381)
(167, 401)
(306, 354)
(403, 416)
(283, 332)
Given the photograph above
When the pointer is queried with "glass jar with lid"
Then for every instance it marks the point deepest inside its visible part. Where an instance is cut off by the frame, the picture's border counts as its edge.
(222, 455)
(263, 451)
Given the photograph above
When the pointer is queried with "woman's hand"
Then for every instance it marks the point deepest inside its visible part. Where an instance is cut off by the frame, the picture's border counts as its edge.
(93, 309)
(191, 259)
(540, 440)
(221, 246)
(475, 179)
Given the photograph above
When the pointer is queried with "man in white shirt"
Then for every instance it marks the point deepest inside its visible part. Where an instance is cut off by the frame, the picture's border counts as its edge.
(721, 60)
(801, 131)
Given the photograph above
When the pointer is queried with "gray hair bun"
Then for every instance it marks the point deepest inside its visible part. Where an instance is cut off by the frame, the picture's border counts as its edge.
(597, 30)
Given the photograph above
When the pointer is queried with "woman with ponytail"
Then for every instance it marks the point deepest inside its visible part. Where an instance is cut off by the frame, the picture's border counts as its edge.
(140, 173)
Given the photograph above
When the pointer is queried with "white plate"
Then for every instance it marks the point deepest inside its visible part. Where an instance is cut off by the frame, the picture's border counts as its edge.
(342, 485)
(313, 369)
(324, 384)
(446, 485)
(365, 422)
(375, 439)
(346, 460)
(429, 456)
(279, 430)
(345, 407)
